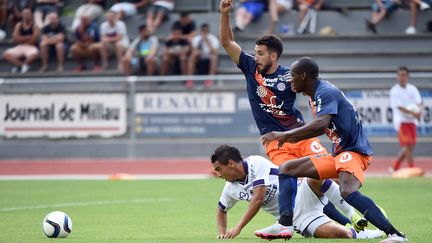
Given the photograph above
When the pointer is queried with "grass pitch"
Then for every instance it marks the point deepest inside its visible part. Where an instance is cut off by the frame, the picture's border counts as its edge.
(174, 210)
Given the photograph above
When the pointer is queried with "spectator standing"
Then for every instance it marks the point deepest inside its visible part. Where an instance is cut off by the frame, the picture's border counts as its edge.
(176, 50)
(406, 104)
(53, 42)
(114, 38)
(86, 44)
(204, 56)
(128, 8)
(43, 8)
(158, 12)
(142, 51)
(380, 10)
(91, 8)
(25, 35)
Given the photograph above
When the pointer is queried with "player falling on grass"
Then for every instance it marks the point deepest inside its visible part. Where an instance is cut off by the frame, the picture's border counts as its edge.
(272, 103)
(352, 153)
(255, 179)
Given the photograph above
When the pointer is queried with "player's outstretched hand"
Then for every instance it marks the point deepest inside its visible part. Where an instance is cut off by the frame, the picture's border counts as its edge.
(226, 6)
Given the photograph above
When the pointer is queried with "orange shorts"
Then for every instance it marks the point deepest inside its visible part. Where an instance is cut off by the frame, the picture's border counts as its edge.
(290, 151)
(407, 134)
(352, 162)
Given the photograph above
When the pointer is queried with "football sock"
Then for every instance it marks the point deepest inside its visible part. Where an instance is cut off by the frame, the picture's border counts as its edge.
(396, 165)
(371, 212)
(334, 214)
(332, 192)
(287, 194)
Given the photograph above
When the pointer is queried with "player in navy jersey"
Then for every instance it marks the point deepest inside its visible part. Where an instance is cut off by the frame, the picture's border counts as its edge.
(272, 101)
(351, 155)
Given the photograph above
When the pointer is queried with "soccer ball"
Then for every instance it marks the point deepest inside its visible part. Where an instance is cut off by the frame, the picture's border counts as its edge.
(57, 225)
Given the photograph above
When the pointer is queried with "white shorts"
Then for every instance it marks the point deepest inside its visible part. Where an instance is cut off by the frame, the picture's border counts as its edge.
(287, 4)
(308, 210)
(128, 9)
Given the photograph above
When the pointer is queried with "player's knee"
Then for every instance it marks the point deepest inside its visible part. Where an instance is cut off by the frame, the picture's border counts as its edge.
(344, 234)
(345, 192)
(286, 168)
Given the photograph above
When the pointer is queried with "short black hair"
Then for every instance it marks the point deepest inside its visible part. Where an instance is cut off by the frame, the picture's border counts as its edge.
(143, 26)
(272, 42)
(184, 14)
(403, 68)
(223, 153)
(204, 25)
(309, 66)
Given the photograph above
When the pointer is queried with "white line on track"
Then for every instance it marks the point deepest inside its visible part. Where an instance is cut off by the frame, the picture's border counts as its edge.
(84, 204)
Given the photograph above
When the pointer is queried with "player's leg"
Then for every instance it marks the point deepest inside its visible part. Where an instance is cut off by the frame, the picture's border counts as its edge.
(350, 167)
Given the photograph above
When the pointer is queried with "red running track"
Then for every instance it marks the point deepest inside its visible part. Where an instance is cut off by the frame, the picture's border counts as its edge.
(183, 166)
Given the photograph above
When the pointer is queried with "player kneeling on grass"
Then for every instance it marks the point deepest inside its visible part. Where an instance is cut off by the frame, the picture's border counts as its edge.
(255, 179)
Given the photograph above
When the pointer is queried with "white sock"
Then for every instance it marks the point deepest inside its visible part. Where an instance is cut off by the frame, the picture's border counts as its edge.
(333, 194)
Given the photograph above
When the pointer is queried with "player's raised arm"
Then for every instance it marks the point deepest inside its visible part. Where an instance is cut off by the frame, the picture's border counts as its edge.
(225, 33)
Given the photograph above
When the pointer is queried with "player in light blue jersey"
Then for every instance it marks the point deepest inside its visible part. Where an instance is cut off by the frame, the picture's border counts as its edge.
(352, 153)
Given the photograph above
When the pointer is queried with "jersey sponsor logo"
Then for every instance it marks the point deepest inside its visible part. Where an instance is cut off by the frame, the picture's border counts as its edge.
(345, 157)
(270, 82)
(316, 147)
(273, 107)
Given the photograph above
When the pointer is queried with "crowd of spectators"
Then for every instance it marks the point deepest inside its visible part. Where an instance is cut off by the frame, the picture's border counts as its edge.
(98, 31)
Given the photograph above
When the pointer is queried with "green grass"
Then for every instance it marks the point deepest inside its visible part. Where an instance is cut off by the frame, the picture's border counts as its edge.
(173, 210)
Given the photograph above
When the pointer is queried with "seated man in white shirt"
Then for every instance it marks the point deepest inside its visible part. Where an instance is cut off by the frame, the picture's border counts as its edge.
(114, 37)
(255, 179)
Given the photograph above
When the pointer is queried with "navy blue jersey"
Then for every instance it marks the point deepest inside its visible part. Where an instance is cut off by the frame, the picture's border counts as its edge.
(345, 129)
(270, 97)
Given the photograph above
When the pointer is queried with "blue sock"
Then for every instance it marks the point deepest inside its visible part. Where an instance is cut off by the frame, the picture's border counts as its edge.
(371, 212)
(334, 214)
(287, 194)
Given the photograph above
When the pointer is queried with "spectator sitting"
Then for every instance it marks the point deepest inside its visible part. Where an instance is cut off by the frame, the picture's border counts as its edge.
(249, 10)
(15, 8)
(114, 37)
(86, 43)
(204, 54)
(91, 8)
(276, 8)
(128, 8)
(381, 9)
(53, 42)
(176, 49)
(157, 13)
(142, 51)
(414, 6)
(186, 25)
(43, 8)
(25, 35)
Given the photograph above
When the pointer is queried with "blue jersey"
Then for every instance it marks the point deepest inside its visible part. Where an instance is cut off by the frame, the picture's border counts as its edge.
(270, 97)
(345, 129)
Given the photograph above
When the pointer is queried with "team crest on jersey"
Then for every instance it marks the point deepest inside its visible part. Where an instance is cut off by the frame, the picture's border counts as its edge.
(281, 86)
(261, 91)
(316, 147)
(345, 157)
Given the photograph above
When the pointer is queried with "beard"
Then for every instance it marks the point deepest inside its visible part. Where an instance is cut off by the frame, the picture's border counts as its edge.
(264, 68)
